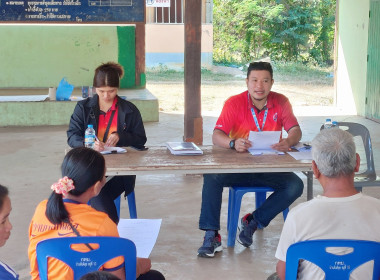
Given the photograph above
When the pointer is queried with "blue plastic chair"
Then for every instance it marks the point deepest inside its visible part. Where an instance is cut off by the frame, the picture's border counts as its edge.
(234, 202)
(334, 266)
(109, 248)
(131, 204)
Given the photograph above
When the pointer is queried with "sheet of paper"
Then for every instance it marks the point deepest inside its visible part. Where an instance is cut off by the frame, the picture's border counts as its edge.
(302, 146)
(23, 98)
(303, 155)
(143, 232)
(265, 152)
(261, 141)
(113, 150)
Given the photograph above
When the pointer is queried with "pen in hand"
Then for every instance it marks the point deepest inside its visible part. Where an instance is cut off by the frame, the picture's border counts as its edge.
(99, 144)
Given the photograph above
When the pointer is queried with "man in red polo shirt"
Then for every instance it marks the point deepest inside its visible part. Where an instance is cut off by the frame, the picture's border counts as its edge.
(257, 109)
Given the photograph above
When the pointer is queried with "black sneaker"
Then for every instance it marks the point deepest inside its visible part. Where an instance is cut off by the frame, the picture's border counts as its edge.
(246, 231)
(211, 244)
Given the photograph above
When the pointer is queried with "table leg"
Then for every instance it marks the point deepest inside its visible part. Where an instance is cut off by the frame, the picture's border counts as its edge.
(309, 175)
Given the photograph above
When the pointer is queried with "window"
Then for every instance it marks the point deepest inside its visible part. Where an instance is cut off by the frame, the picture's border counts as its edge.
(175, 13)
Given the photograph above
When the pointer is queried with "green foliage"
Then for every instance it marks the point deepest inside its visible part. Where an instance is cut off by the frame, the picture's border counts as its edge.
(291, 30)
(163, 74)
(324, 43)
(289, 72)
(306, 72)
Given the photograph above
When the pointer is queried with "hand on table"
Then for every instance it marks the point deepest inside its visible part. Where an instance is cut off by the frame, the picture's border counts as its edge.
(282, 146)
(242, 145)
(112, 140)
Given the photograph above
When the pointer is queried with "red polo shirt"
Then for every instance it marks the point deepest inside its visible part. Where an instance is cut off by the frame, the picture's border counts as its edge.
(236, 119)
(104, 119)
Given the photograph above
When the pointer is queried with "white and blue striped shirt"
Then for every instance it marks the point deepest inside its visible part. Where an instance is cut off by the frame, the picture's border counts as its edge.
(7, 273)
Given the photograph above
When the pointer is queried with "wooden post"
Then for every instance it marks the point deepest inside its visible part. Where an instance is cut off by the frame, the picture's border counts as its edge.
(193, 122)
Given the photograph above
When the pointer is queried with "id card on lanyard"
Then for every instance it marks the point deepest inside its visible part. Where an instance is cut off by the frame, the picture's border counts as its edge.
(255, 117)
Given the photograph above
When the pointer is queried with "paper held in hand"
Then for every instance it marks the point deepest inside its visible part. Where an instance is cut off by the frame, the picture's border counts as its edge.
(262, 141)
(183, 148)
(136, 230)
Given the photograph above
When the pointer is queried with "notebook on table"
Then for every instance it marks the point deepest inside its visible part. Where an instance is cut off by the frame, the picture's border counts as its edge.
(183, 148)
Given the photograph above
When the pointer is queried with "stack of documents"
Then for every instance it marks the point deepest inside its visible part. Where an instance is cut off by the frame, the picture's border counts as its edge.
(183, 148)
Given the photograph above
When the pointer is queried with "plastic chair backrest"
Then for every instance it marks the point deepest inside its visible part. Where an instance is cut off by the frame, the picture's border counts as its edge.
(85, 262)
(334, 266)
(357, 129)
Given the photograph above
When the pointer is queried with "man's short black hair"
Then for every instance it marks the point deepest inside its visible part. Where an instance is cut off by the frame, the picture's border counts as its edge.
(260, 66)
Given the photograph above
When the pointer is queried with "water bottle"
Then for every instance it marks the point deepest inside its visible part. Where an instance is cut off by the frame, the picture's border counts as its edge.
(89, 137)
(327, 124)
(335, 124)
(90, 91)
(84, 92)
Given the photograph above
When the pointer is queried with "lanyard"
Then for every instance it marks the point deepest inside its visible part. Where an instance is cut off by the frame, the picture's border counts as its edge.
(255, 117)
(108, 126)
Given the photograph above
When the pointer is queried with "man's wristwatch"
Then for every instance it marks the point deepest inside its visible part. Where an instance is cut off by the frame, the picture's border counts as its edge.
(232, 144)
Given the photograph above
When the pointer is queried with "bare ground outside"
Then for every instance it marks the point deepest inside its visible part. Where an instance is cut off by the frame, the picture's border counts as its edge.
(301, 91)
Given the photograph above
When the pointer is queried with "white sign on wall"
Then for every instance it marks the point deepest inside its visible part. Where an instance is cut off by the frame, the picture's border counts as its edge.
(158, 3)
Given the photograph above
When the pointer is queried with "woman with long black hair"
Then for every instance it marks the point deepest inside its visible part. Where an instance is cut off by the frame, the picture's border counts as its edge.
(67, 213)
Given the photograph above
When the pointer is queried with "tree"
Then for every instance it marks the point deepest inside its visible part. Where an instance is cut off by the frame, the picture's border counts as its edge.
(323, 47)
(297, 30)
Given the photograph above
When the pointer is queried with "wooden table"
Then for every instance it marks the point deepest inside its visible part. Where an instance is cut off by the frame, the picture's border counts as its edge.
(158, 160)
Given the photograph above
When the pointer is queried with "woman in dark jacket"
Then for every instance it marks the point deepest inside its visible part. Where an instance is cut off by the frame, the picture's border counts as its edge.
(117, 122)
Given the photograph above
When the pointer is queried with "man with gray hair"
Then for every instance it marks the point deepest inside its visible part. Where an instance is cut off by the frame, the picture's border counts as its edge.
(341, 212)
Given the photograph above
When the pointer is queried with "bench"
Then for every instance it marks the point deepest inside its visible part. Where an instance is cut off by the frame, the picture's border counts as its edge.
(36, 113)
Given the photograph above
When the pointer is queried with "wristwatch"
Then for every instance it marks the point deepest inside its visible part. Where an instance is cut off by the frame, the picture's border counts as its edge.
(232, 144)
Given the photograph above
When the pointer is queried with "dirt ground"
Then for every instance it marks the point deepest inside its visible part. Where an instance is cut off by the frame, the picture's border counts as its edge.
(214, 93)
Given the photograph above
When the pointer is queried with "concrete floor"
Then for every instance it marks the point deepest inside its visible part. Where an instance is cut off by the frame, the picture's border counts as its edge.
(30, 161)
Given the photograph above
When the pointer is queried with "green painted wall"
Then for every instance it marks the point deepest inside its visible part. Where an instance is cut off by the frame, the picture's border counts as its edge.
(40, 55)
(373, 69)
(352, 55)
(127, 57)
